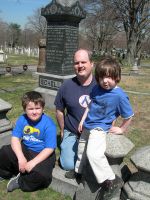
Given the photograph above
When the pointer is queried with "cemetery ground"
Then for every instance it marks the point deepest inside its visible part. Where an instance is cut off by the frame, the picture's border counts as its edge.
(15, 60)
(138, 89)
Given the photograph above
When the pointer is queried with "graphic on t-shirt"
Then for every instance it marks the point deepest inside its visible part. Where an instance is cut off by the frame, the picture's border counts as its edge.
(84, 100)
(30, 130)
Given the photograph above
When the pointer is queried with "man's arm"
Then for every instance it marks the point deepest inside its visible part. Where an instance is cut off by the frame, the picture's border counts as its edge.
(80, 127)
(16, 147)
(60, 119)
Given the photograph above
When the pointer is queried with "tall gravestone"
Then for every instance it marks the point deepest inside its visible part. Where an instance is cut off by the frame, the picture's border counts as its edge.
(63, 18)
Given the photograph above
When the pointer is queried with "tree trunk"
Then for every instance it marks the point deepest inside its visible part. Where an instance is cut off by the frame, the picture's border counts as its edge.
(131, 47)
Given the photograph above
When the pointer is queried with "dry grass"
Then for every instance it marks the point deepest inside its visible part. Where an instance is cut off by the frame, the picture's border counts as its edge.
(139, 130)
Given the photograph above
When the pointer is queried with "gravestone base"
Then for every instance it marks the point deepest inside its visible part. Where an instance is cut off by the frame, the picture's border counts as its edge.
(118, 147)
(134, 71)
(8, 74)
(137, 188)
(49, 96)
(88, 190)
(91, 187)
(49, 85)
(5, 138)
(63, 185)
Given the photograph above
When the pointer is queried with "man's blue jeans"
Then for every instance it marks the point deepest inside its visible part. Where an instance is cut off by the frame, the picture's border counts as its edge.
(69, 147)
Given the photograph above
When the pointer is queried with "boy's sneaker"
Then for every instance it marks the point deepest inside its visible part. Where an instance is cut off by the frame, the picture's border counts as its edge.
(110, 188)
(13, 183)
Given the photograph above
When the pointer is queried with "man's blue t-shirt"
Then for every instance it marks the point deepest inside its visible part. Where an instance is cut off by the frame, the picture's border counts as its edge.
(73, 97)
(36, 135)
(106, 106)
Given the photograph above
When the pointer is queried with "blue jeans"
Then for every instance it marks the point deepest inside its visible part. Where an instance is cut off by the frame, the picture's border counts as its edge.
(69, 147)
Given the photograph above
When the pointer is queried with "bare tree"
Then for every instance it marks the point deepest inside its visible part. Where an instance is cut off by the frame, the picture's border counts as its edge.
(29, 38)
(37, 23)
(14, 33)
(99, 23)
(134, 15)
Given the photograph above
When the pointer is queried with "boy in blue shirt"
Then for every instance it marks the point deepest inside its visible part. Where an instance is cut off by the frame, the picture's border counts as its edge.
(31, 155)
(108, 102)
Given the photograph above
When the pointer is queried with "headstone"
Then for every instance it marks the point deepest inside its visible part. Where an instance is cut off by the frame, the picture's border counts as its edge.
(113, 52)
(138, 186)
(2, 56)
(5, 124)
(135, 69)
(63, 18)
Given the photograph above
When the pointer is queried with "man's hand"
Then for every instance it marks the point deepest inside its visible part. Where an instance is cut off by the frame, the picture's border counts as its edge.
(80, 127)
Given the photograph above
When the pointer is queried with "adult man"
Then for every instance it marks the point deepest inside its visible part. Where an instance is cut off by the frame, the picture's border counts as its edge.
(71, 101)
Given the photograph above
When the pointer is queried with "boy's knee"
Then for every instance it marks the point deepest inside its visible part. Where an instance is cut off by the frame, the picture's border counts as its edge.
(90, 152)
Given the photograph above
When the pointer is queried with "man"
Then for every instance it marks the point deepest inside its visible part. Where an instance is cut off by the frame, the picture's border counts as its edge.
(71, 101)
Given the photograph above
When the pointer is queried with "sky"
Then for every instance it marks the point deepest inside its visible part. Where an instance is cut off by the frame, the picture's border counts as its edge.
(17, 11)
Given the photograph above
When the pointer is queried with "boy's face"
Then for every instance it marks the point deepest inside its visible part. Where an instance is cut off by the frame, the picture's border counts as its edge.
(107, 83)
(34, 111)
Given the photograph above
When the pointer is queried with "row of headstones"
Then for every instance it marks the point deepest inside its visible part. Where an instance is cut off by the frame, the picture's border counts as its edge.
(136, 185)
(21, 51)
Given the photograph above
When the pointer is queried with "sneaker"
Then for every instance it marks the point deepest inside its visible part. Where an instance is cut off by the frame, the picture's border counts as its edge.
(70, 174)
(13, 183)
(110, 188)
(73, 175)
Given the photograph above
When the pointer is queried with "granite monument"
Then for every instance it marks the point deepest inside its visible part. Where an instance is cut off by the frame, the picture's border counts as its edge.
(63, 18)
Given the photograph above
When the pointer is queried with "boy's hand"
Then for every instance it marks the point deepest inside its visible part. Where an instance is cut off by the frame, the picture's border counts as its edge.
(22, 163)
(30, 165)
(116, 130)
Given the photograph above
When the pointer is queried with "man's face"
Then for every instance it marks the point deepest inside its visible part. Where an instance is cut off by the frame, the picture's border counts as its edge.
(82, 65)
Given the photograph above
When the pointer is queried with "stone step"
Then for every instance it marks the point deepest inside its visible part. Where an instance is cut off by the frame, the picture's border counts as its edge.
(86, 191)
(62, 184)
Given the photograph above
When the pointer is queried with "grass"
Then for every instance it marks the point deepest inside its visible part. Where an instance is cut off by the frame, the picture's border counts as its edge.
(138, 132)
(12, 88)
(46, 194)
(16, 60)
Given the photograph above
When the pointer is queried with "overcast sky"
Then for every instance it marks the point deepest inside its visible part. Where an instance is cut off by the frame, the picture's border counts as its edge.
(17, 11)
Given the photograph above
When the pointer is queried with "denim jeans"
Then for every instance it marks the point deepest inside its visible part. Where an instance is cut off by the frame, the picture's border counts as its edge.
(69, 147)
